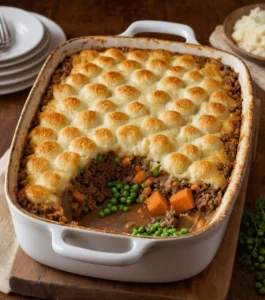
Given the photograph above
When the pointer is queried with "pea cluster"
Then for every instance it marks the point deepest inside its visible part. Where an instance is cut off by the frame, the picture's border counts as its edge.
(123, 195)
(251, 242)
(156, 230)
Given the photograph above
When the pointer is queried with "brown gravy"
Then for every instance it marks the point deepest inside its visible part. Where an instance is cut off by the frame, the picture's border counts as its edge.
(122, 221)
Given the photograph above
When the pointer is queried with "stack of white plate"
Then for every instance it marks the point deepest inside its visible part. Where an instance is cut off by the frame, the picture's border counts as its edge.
(34, 36)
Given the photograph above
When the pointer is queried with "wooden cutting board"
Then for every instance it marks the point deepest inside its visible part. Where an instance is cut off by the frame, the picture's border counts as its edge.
(30, 278)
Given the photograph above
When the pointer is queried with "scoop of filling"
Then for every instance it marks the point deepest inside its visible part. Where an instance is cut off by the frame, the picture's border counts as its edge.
(132, 195)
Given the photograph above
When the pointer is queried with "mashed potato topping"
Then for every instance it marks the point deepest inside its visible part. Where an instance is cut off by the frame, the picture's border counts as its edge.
(249, 32)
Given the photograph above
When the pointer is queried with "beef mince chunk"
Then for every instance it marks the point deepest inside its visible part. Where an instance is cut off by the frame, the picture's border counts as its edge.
(207, 198)
(93, 181)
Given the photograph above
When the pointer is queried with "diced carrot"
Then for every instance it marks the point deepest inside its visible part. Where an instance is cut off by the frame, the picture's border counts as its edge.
(195, 187)
(140, 177)
(200, 224)
(69, 187)
(138, 168)
(79, 196)
(149, 181)
(182, 201)
(163, 172)
(156, 204)
(147, 191)
(127, 160)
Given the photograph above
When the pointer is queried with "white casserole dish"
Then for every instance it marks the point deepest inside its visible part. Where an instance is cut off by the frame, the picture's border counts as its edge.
(119, 256)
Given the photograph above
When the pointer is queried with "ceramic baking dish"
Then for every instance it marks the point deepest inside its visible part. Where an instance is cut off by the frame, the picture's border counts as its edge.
(118, 256)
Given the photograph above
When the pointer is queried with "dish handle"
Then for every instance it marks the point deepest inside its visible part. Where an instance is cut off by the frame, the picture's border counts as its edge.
(134, 249)
(162, 27)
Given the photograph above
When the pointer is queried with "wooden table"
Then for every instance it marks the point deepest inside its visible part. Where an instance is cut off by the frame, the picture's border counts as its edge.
(94, 17)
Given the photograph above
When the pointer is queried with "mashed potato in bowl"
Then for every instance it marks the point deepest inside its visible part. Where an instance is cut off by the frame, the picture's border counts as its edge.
(249, 32)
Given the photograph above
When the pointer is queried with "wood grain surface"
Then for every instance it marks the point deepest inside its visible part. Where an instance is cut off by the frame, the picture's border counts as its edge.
(97, 17)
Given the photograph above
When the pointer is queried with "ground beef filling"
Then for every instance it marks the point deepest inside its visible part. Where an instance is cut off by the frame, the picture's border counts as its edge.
(92, 182)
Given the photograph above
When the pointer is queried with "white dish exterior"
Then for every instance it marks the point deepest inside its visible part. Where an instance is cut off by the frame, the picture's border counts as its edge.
(26, 30)
(115, 256)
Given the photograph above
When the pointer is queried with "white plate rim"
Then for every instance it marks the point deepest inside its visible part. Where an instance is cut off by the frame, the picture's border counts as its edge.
(33, 71)
(37, 25)
(27, 64)
(12, 88)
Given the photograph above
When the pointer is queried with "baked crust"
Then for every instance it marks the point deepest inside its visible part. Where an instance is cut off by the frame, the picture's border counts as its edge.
(162, 106)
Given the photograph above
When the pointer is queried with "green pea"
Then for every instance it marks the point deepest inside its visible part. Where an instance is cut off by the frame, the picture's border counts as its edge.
(126, 187)
(157, 225)
(172, 230)
(117, 195)
(113, 201)
(250, 248)
(137, 200)
(260, 233)
(250, 242)
(143, 185)
(126, 209)
(133, 195)
(258, 285)
(156, 171)
(125, 193)
(109, 205)
(85, 210)
(141, 229)
(160, 230)
(261, 291)
(123, 200)
(262, 266)
(114, 208)
(121, 206)
(117, 159)
(153, 229)
(135, 187)
(135, 232)
(157, 233)
(107, 211)
(114, 189)
(149, 231)
(101, 214)
(165, 230)
(110, 184)
(175, 234)
(164, 234)
(119, 186)
(100, 158)
(259, 276)
(255, 254)
(128, 202)
(262, 251)
(184, 231)
(261, 259)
